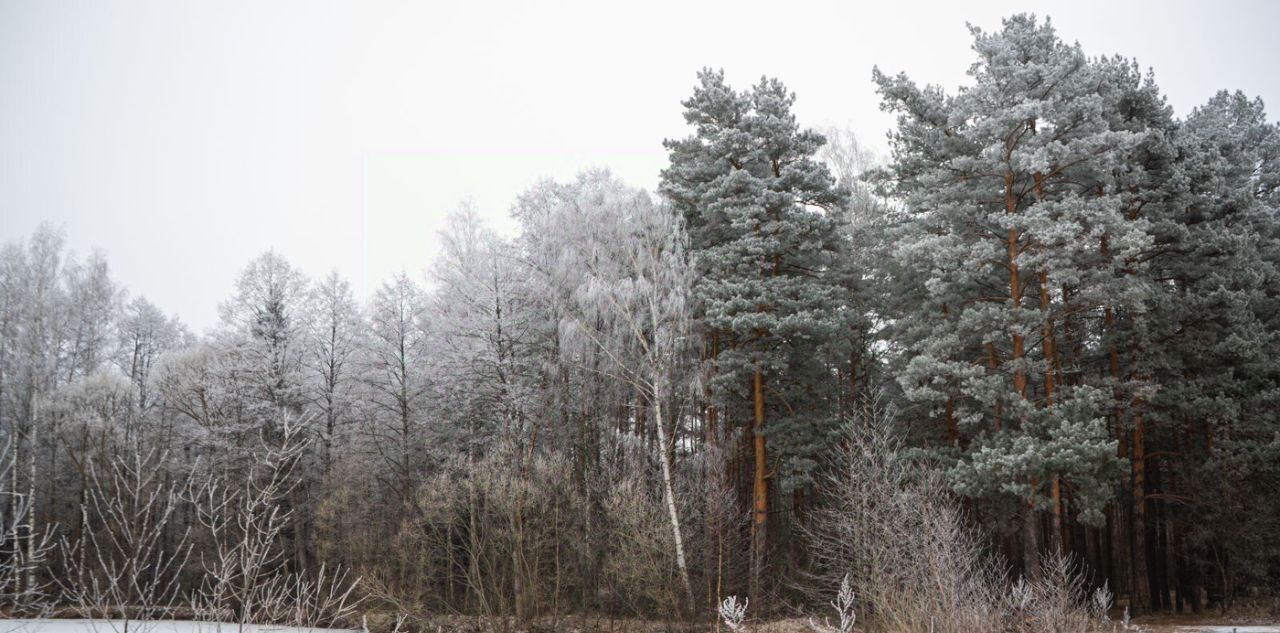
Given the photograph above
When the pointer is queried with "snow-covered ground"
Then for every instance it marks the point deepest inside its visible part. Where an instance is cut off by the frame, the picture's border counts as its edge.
(1205, 628)
(154, 626)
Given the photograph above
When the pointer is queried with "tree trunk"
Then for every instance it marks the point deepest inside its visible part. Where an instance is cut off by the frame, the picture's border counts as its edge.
(1015, 289)
(1141, 584)
(1049, 347)
(1121, 561)
(473, 549)
(1097, 563)
(714, 474)
(993, 364)
(667, 489)
(759, 491)
(1058, 538)
(1030, 540)
(1030, 523)
(517, 558)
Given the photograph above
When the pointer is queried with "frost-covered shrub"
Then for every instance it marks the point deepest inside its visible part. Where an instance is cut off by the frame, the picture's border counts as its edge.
(913, 558)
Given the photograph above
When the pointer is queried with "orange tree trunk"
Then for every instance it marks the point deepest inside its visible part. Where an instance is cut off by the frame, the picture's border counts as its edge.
(1050, 383)
(1030, 530)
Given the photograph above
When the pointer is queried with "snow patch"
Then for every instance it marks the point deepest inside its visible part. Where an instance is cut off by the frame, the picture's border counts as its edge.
(59, 625)
(1227, 629)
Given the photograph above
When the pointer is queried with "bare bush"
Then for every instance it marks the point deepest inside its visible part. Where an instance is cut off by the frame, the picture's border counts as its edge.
(509, 535)
(1057, 602)
(327, 598)
(245, 576)
(911, 554)
(641, 577)
(244, 569)
(496, 536)
(125, 566)
(715, 505)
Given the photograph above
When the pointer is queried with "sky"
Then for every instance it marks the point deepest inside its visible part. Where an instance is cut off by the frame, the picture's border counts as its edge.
(183, 138)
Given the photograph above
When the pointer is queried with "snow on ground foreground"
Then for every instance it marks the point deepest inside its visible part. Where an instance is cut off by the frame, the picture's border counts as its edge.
(1208, 628)
(154, 626)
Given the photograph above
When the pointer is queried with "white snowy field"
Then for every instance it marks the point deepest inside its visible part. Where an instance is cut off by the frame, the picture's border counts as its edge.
(58, 625)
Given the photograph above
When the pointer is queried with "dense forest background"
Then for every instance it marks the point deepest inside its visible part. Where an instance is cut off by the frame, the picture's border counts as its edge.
(1058, 303)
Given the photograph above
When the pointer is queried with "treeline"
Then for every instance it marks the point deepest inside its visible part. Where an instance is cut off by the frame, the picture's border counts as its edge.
(1062, 300)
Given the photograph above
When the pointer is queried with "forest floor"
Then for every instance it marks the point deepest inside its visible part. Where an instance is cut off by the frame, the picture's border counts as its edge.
(1248, 619)
(1193, 624)
(1156, 624)
(64, 625)
(1206, 628)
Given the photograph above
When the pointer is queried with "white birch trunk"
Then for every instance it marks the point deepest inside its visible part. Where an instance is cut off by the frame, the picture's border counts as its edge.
(668, 491)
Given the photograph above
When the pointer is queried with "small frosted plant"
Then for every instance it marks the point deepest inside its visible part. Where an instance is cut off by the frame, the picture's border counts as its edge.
(1101, 603)
(734, 614)
(843, 604)
(1020, 595)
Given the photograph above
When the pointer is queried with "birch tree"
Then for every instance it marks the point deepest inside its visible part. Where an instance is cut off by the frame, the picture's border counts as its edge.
(35, 310)
(644, 300)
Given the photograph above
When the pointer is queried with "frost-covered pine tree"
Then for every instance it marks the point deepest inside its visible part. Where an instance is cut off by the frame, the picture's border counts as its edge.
(263, 337)
(261, 351)
(762, 213)
(1211, 342)
(1014, 234)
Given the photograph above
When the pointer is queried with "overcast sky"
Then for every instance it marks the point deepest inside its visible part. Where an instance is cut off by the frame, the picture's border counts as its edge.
(183, 138)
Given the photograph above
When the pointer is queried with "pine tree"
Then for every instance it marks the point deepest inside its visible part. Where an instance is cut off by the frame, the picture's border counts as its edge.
(764, 229)
(1214, 335)
(263, 334)
(1006, 188)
